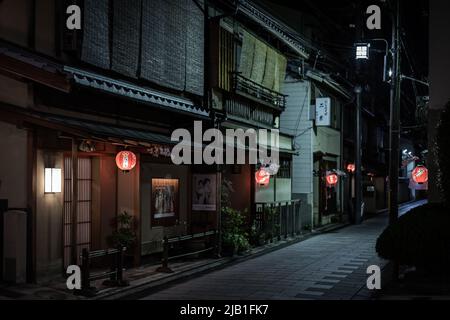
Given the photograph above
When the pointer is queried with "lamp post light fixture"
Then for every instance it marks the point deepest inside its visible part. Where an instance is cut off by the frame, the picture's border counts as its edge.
(362, 51)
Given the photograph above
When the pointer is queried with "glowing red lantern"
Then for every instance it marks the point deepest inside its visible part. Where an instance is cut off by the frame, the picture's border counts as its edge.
(262, 177)
(351, 167)
(126, 160)
(420, 175)
(332, 179)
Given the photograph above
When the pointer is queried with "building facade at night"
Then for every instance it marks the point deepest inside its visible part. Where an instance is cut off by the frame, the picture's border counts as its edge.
(87, 116)
(73, 100)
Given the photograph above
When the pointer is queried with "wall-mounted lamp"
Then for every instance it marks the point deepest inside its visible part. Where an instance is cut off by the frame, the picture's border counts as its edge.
(52, 180)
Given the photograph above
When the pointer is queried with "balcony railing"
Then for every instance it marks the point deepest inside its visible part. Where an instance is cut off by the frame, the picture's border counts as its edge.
(256, 91)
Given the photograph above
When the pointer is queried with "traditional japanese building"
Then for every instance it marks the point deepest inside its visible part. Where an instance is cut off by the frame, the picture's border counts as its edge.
(71, 101)
(249, 51)
(88, 116)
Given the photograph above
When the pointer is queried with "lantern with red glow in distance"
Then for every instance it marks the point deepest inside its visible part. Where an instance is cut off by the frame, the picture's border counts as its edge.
(126, 160)
(351, 168)
(262, 177)
(420, 175)
(332, 179)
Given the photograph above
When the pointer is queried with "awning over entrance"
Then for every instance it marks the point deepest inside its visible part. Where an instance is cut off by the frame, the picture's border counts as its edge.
(84, 129)
(285, 140)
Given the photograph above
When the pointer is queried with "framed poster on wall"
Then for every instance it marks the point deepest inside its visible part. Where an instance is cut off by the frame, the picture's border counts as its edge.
(165, 201)
(204, 192)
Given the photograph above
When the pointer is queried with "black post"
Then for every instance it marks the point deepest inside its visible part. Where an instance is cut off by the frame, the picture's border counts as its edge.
(119, 265)
(165, 259)
(299, 204)
(85, 283)
(394, 155)
(395, 119)
(29, 250)
(3, 208)
(216, 243)
(358, 165)
(294, 222)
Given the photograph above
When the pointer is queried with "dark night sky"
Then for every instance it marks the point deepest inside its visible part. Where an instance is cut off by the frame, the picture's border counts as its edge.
(345, 12)
(335, 18)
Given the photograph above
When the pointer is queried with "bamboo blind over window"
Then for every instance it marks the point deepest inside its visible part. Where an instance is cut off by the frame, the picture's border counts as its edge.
(157, 40)
(226, 59)
(172, 51)
(195, 45)
(261, 63)
(95, 47)
(126, 36)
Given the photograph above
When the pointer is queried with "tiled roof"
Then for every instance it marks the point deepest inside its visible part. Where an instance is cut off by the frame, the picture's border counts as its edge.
(277, 28)
(126, 89)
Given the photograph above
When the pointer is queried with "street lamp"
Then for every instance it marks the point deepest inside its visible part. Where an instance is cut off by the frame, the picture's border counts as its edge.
(358, 163)
(362, 51)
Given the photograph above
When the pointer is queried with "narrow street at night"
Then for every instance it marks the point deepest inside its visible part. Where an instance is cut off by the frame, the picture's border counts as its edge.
(331, 266)
(166, 153)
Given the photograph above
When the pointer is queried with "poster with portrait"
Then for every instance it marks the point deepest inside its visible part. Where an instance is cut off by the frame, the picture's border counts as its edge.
(204, 192)
(164, 200)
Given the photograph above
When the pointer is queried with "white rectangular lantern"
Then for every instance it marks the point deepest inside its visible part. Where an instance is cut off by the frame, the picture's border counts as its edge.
(52, 180)
(362, 51)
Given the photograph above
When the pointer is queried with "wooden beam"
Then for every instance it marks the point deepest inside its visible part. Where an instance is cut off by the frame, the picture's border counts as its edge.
(28, 71)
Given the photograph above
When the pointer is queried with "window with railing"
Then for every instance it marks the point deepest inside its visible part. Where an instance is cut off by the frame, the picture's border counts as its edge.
(249, 113)
(254, 90)
(250, 67)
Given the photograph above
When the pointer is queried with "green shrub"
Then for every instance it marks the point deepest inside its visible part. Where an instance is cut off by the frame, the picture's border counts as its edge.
(234, 236)
(124, 234)
(272, 226)
(419, 238)
(443, 153)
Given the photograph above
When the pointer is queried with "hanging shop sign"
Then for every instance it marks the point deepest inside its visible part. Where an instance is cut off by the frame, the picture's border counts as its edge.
(262, 177)
(332, 179)
(126, 160)
(351, 168)
(157, 151)
(420, 175)
(323, 112)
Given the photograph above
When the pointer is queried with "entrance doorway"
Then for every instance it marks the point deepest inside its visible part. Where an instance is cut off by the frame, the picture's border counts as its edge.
(84, 208)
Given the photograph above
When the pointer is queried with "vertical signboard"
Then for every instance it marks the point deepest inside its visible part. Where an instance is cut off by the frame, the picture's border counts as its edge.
(323, 112)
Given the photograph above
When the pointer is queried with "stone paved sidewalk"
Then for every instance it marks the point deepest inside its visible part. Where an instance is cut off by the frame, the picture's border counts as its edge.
(329, 266)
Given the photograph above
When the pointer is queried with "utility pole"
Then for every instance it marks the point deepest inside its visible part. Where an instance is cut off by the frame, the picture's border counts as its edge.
(394, 156)
(358, 169)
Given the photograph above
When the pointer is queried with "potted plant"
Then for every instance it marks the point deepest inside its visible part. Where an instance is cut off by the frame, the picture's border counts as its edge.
(124, 235)
(258, 236)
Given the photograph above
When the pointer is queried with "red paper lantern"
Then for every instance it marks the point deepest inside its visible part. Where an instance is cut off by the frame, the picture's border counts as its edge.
(332, 179)
(262, 177)
(420, 175)
(126, 160)
(351, 167)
